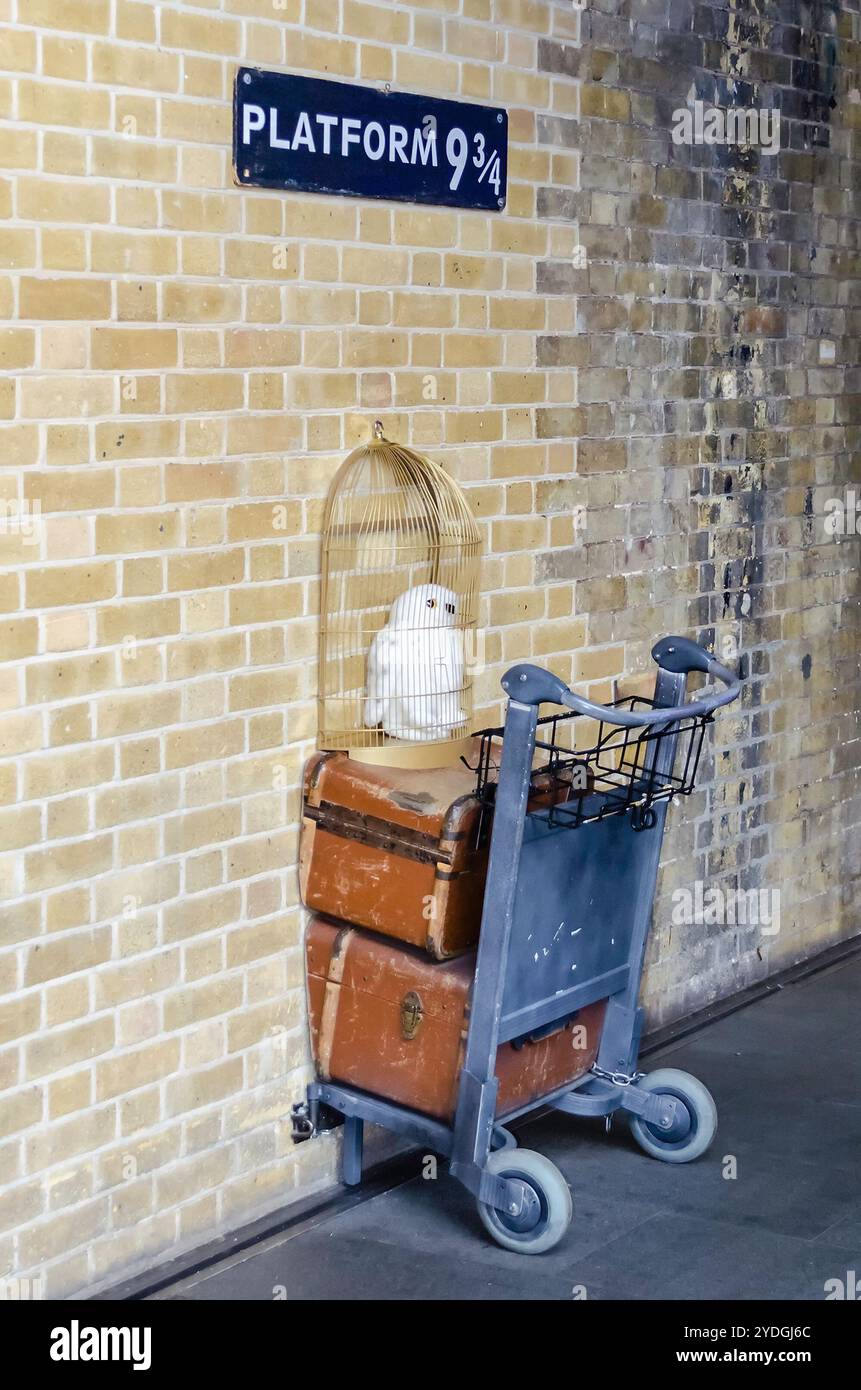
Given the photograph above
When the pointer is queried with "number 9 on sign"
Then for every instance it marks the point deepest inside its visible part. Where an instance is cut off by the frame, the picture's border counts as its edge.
(456, 151)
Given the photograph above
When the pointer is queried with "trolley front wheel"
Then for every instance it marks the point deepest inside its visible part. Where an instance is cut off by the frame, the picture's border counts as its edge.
(694, 1128)
(547, 1210)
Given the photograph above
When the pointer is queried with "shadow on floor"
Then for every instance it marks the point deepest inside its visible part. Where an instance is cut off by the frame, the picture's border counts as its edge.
(785, 1074)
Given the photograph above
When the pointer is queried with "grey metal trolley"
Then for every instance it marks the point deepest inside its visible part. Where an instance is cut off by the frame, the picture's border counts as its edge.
(565, 924)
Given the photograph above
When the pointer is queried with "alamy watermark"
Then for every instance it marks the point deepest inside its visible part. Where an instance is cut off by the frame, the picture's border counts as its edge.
(701, 124)
(727, 907)
(83, 1343)
(30, 1290)
(843, 1290)
(843, 514)
(21, 517)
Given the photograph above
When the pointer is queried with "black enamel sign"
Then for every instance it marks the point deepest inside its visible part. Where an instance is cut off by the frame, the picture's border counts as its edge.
(332, 137)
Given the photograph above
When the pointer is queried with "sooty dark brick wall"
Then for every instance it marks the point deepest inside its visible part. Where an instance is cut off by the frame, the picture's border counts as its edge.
(719, 398)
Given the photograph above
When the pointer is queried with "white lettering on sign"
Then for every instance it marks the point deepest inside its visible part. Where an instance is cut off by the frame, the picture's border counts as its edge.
(273, 131)
(327, 122)
(350, 127)
(302, 135)
(456, 151)
(424, 145)
(253, 118)
(374, 140)
(398, 136)
(342, 134)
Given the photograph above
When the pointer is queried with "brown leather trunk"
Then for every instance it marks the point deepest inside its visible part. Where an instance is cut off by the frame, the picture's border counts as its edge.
(399, 850)
(386, 1019)
(394, 849)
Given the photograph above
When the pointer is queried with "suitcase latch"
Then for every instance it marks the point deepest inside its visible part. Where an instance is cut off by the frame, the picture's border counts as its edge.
(412, 1014)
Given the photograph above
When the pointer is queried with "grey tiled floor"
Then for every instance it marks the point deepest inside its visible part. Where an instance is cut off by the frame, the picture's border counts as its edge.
(785, 1074)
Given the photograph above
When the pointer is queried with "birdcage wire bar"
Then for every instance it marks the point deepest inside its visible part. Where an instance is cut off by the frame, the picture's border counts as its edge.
(393, 521)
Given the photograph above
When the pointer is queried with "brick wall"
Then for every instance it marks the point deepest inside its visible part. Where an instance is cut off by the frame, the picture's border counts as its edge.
(718, 369)
(624, 370)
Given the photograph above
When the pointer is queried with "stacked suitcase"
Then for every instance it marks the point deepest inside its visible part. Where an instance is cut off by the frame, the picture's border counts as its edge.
(392, 865)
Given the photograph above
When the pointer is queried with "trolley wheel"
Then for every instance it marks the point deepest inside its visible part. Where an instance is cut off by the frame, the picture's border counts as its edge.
(692, 1133)
(547, 1211)
(502, 1138)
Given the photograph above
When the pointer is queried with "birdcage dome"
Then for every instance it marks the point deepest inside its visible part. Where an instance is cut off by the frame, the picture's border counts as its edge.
(398, 609)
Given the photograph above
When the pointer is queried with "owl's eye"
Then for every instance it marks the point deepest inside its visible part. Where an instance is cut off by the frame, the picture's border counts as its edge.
(431, 603)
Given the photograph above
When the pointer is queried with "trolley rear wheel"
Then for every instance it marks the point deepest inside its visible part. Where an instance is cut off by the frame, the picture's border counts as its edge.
(547, 1210)
(694, 1129)
(502, 1138)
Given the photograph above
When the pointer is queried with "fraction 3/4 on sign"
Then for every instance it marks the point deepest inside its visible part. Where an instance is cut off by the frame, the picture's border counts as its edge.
(457, 152)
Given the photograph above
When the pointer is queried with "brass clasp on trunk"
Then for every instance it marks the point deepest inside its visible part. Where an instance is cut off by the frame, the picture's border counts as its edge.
(412, 1014)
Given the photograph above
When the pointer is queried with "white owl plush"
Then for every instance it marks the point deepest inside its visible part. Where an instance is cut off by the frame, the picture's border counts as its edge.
(415, 667)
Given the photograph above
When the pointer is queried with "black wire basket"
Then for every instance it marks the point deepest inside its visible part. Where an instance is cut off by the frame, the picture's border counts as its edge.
(626, 769)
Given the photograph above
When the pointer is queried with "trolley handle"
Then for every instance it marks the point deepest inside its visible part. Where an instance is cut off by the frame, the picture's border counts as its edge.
(531, 685)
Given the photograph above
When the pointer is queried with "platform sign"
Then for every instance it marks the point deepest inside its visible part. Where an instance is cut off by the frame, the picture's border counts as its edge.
(334, 137)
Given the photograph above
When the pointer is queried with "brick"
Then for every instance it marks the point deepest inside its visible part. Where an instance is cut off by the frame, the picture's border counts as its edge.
(139, 621)
(200, 33)
(67, 955)
(19, 50)
(62, 1048)
(126, 714)
(20, 1016)
(598, 456)
(188, 393)
(262, 348)
(143, 801)
(139, 254)
(63, 584)
(18, 147)
(73, 489)
(142, 1067)
(63, 250)
(114, 348)
(147, 531)
(201, 303)
(194, 915)
(201, 828)
(69, 1094)
(204, 1087)
(65, 299)
(135, 22)
(79, 16)
(49, 103)
(63, 680)
(57, 397)
(136, 67)
(19, 637)
(17, 248)
(42, 201)
(202, 571)
(134, 441)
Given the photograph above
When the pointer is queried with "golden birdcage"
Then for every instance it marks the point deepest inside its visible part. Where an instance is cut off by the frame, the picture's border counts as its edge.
(398, 609)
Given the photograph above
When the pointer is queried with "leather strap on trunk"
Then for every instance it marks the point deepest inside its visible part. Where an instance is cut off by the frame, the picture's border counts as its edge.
(380, 834)
(331, 999)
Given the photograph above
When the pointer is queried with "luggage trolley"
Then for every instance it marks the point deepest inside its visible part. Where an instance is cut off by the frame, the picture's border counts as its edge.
(565, 924)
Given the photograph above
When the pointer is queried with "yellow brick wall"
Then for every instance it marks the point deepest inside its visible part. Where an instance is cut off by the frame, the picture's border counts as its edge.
(183, 357)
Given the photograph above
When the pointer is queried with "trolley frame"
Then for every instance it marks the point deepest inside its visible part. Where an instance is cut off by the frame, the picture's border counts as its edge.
(536, 871)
